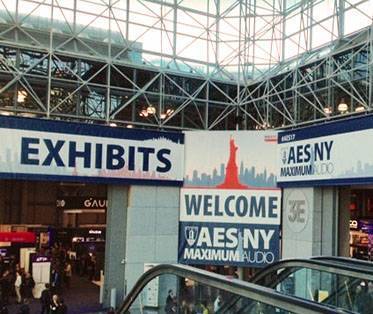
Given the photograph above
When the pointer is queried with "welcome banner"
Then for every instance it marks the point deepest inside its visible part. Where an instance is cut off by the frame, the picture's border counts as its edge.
(229, 206)
(40, 149)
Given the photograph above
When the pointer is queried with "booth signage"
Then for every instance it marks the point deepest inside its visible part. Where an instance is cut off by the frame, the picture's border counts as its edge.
(18, 237)
(40, 259)
(79, 202)
(328, 154)
(296, 210)
(231, 216)
(91, 231)
(39, 149)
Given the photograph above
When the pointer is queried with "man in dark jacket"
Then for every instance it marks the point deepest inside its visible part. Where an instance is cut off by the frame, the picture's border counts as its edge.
(45, 299)
(6, 286)
(28, 285)
(63, 308)
(24, 308)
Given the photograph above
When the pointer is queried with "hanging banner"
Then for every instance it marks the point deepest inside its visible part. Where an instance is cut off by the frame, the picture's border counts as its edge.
(327, 154)
(40, 149)
(230, 216)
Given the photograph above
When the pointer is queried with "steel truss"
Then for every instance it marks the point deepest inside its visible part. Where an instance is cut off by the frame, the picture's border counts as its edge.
(90, 60)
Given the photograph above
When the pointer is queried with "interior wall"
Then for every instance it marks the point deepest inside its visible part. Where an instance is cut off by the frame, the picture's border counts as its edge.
(34, 202)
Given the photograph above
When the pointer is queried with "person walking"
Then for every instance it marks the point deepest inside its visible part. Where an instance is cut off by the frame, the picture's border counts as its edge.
(56, 280)
(17, 286)
(218, 303)
(68, 273)
(3, 309)
(62, 308)
(6, 287)
(55, 305)
(204, 307)
(24, 308)
(28, 285)
(45, 299)
(170, 303)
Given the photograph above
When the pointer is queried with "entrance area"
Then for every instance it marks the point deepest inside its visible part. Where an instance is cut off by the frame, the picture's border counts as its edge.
(52, 234)
(361, 223)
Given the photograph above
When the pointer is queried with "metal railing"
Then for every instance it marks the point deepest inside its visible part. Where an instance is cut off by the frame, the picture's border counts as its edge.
(339, 266)
(237, 287)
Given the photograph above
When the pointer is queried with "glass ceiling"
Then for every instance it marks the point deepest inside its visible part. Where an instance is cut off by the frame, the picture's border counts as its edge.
(222, 39)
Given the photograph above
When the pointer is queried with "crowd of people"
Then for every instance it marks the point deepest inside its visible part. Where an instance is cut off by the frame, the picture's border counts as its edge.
(188, 307)
(17, 284)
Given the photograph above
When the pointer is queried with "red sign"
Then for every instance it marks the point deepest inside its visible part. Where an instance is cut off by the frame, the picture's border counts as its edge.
(20, 237)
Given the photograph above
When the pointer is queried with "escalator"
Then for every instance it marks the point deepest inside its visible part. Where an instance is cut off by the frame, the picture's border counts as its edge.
(183, 289)
(333, 281)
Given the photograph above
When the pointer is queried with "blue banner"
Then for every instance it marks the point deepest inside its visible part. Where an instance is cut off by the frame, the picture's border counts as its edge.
(54, 150)
(228, 244)
(229, 227)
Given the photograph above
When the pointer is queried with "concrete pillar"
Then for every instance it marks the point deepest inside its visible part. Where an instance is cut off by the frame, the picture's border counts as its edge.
(115, 243)
(2, 202)
(153, 217)
(142, 229)
(310, 222)
(344, 222)
(325, 227)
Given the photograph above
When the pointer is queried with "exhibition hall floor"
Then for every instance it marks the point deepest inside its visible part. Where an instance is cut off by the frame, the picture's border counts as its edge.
(82, 297)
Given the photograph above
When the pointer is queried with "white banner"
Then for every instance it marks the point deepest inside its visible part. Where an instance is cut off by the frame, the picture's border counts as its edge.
(338, 158)
(231, 206)
(85, 151)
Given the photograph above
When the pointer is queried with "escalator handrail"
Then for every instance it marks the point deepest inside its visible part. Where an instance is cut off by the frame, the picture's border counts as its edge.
(315, 264)
(235, 286)
(359, 264)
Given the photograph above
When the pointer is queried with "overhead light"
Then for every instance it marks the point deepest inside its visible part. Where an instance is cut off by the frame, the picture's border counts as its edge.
(28, 115)
(342, 107)
(21, 96)
(143, 113)
(84, 211)
(151, 109)
(166, 114)
(360, 108)
(328, 110)
(112, 124)
(6, 113)
(129, 126)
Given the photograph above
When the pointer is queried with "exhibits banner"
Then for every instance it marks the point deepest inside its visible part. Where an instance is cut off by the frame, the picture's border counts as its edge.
(231, 216)
(327, 154)
(39, 149)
